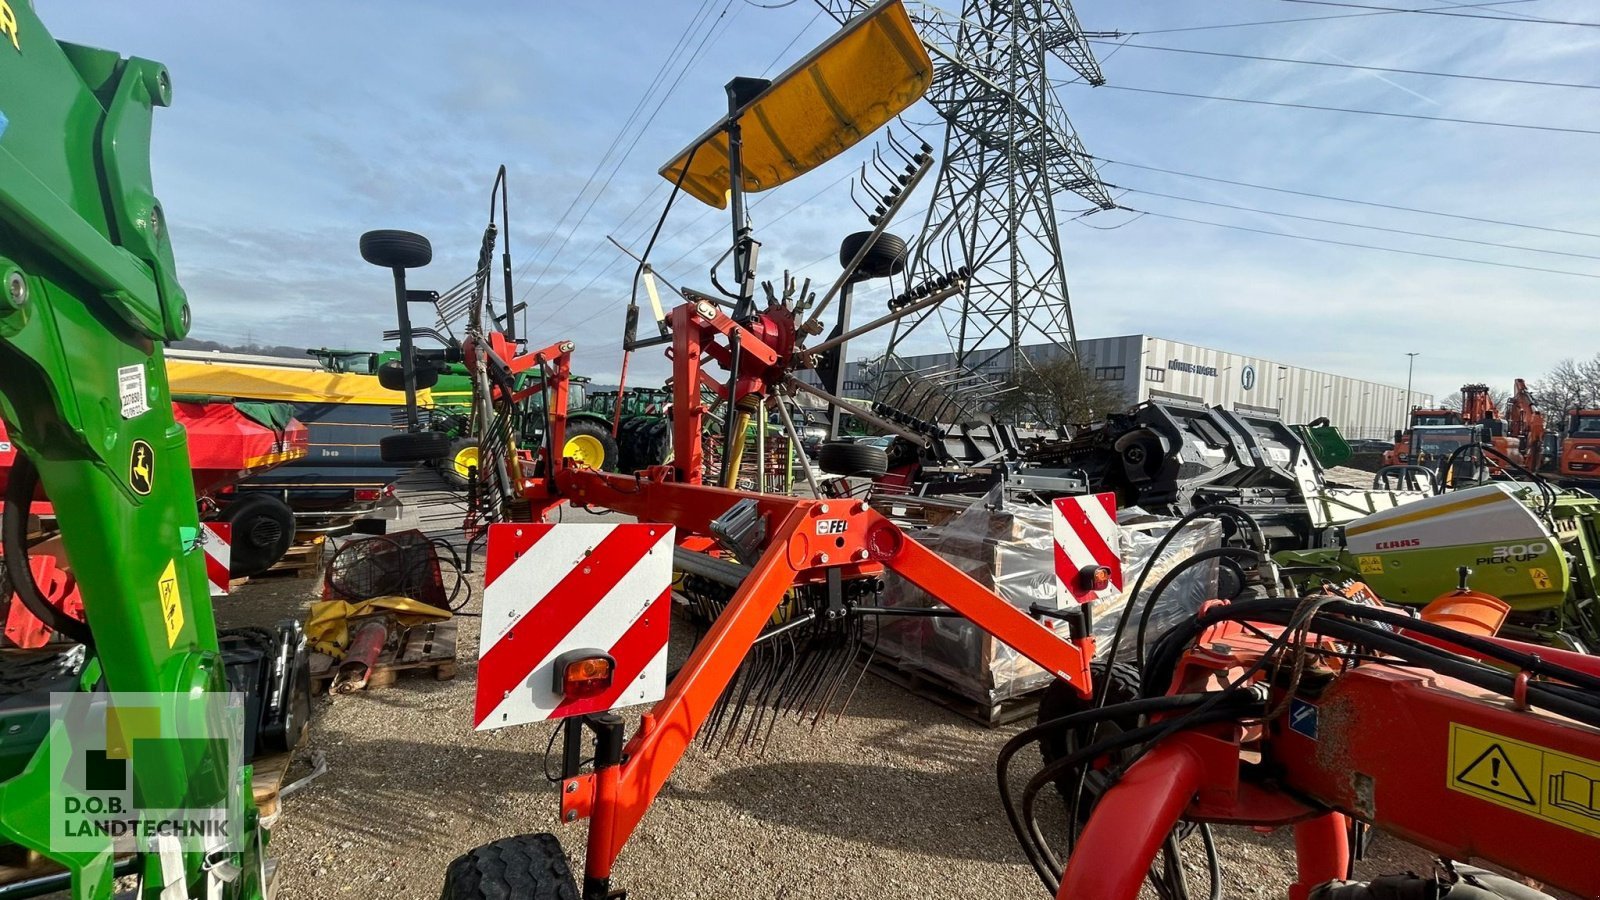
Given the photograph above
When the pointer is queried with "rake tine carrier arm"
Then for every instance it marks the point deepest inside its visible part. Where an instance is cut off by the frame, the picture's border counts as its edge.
(87, 298)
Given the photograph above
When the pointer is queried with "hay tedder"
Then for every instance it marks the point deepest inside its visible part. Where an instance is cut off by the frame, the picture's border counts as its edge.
(1321, 709)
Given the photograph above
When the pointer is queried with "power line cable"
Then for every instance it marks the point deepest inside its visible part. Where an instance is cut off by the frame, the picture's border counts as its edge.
(1319, 240)
(644, 99)
(1358, 15)
(1439, 12)
(1561, 129)
(1346, 224)
(1334, 65)
(1372, 203)
(639, 133)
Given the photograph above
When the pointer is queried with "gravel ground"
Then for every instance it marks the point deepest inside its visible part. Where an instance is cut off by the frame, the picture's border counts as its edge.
(896, 798)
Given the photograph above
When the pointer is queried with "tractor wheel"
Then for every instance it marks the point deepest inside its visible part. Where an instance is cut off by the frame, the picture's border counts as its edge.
(523, 867)
(849, 458)
(887, 256)
(591, 443)
(1058, 700)
(458, 463)
(657, 443)
(414, 446)
(396, 249)
(263, 529)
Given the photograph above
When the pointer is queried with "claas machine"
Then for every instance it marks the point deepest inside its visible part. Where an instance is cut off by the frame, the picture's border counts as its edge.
(1317, 708)
(121, 748)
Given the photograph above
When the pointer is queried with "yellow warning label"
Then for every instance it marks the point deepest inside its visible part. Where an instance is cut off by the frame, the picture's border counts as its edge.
(171, 603)
(1541, 578)
(1543, 783)
(1370, 565)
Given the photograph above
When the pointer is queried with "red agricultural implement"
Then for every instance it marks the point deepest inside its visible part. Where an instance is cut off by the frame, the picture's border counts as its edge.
(1329, 712)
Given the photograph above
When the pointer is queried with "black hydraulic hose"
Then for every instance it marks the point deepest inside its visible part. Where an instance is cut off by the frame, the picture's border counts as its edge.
(1582, 706)
(1225, 553)
(24, 481)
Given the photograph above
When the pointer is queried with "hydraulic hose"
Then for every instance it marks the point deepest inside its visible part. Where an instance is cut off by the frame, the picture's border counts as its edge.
(23, 483)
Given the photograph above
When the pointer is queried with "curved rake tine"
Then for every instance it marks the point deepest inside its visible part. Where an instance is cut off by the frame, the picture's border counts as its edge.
(853, 199)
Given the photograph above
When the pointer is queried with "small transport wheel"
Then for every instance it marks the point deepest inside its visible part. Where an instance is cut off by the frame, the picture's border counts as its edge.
(850, 458)
(1059, 699)
(459, 462)
(414, 446)
(263, 529)
(591, 443)
(396, 249)
(522, 867)
(887, 256)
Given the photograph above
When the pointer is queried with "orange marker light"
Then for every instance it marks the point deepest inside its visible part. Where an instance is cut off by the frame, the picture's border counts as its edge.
(1094, 578)
(583, 673)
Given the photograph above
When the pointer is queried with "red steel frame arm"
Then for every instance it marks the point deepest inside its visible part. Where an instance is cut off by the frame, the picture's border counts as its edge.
(666, 732)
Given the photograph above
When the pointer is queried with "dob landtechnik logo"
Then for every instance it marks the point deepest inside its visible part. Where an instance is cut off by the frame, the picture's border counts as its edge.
(138, 768)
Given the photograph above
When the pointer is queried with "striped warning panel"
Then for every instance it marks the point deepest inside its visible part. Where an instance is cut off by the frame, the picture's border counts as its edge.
(549, 589)
(216, 539)
(1086, 536)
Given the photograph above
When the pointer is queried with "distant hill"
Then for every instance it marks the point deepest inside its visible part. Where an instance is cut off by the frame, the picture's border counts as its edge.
(255, 349)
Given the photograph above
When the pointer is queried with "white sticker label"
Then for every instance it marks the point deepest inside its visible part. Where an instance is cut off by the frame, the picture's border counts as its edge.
(130, 384)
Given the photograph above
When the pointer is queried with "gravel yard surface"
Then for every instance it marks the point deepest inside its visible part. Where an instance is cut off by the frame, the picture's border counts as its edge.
(895, 798)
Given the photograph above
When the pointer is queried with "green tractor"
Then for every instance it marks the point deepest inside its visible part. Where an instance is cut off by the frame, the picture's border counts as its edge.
(589, 437)
(644, 433)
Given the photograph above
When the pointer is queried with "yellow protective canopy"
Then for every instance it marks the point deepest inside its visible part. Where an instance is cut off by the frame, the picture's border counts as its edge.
(852, 85)
(328, 625)
(285, 385)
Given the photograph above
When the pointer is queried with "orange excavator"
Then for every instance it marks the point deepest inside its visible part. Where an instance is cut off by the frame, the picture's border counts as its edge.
(1520, 435)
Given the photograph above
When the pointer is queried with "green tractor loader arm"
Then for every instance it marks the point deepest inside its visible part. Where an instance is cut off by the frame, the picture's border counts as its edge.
(88, 295)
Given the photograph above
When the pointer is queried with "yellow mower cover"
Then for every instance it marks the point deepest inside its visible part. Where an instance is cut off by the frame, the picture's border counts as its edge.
(328, 626)
(847, 88)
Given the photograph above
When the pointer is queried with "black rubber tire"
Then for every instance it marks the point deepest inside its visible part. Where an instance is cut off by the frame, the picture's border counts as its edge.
(447, 467)
(394, 249)
(887, 256)
(414, 446)
(521, 867)
(600, 433)
(263, 530)
(1060, 699)
(849, 458)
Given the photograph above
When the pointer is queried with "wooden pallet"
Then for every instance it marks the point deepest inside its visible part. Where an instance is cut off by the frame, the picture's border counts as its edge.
(425, 648)
(930, 686)
(298, 561)
(266, 779)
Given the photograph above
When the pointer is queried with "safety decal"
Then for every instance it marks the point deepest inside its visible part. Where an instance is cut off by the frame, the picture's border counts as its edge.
(216, 540)
(142, 468)
(1543, 783)
(131, 390)
(1087, 538)
(1541, 578)
(1370, 565)
(1303, 717)
(552, 589)
(171, 602)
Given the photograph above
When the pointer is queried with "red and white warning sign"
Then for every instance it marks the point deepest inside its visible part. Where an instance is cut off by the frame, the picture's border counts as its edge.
(550, 589)
(216, 539)
(1087, 538)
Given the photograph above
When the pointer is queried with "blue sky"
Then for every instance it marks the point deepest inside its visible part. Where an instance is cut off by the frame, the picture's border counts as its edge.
(296, 126)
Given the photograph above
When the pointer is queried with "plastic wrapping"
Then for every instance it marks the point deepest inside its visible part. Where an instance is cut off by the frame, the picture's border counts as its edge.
(1010, 548)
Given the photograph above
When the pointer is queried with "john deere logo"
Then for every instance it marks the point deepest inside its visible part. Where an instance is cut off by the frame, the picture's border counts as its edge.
(1247, 377)
(142, 468)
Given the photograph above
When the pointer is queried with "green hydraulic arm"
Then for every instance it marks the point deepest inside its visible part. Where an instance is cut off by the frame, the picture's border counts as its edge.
(88, 295)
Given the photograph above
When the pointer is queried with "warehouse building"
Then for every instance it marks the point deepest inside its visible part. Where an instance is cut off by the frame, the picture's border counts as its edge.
(1144, 367)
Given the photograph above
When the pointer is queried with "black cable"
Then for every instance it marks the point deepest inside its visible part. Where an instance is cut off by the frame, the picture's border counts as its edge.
(1336, 65)
(1173, 574)
(1453, 15)
(1359, 15)
(1317, 240)
(23, 483)
(1371, 203)
(1488, 123)
(1347, 224)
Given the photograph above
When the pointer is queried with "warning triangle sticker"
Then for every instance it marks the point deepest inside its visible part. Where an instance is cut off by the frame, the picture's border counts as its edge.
(1492, 771)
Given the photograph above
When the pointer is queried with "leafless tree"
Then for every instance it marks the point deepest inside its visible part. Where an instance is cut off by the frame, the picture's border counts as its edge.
(1056, 392)
(1569, 385)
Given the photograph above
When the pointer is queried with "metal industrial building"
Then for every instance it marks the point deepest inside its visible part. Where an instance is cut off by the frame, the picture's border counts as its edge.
(1144, 367)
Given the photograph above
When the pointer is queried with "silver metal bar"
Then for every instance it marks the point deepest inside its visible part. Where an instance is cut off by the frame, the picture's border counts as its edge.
(794, 441)
(935, 298)
(921, 440)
